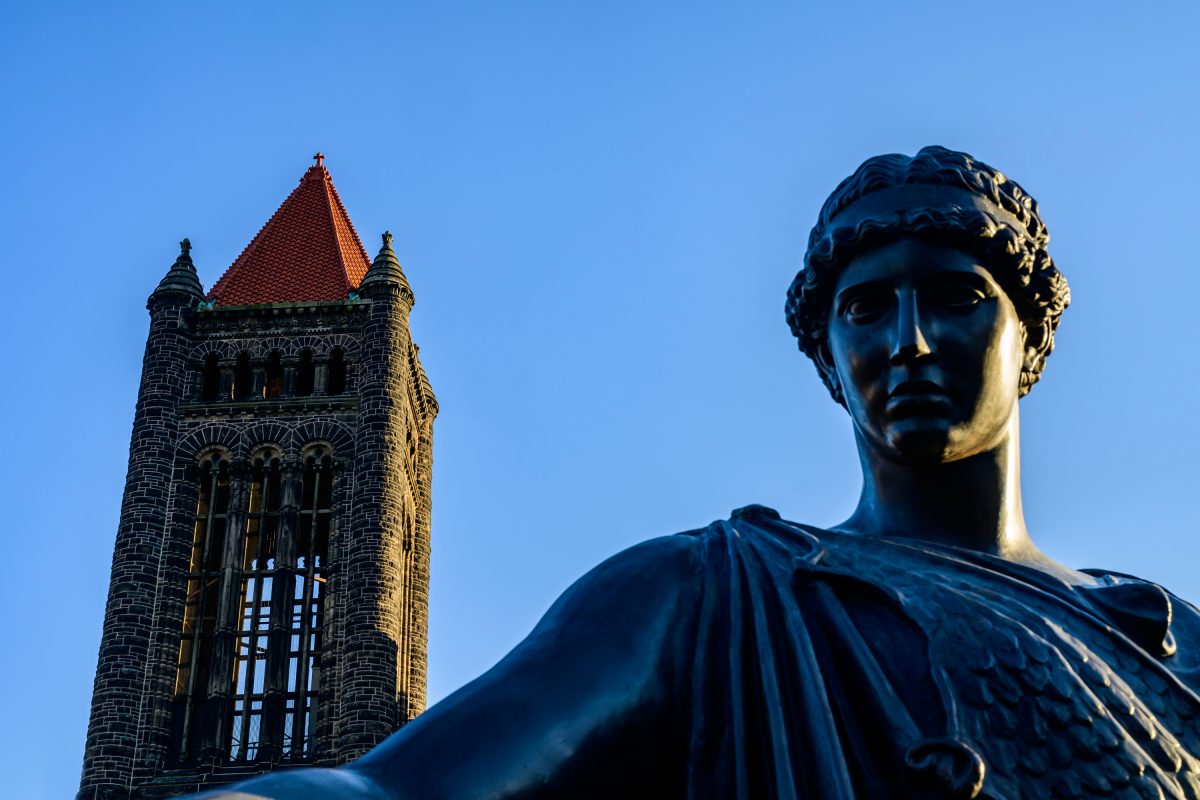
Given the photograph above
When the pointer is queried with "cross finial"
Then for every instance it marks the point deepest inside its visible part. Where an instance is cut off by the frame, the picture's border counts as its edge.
(185, 246)
(387, 238)
(320, 159)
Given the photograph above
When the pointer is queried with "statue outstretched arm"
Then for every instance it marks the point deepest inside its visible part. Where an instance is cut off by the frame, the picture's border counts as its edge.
(583, 707)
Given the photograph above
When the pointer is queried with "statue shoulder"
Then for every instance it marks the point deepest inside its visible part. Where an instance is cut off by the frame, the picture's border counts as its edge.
(682, 554)
(668, 576)
(637, 582)
(657, 560)
(675, 564)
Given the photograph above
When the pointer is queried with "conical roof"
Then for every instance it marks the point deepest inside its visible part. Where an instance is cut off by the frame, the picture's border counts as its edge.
(385, 269)
(181, 278)
(308, 250)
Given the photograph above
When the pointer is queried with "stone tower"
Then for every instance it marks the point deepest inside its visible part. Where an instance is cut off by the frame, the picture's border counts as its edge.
(270, 579)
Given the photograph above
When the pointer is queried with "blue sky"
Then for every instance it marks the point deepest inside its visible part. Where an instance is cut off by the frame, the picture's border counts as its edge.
(599, 207)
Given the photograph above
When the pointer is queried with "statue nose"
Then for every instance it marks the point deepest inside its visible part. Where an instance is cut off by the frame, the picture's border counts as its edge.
(910, 343)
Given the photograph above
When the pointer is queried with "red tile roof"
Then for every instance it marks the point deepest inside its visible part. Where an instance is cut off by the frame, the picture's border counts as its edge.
(308, 250)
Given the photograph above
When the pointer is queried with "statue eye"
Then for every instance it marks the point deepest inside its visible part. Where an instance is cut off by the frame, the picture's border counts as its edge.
(956, 296)
(865, 305)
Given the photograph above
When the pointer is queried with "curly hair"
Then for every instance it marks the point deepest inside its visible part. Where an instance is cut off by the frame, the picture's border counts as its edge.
(999, 224)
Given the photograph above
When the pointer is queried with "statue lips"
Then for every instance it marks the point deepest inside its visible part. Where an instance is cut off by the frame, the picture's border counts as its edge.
(915, 398)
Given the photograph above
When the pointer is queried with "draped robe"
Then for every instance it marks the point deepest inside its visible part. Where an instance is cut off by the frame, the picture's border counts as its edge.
(758, 658)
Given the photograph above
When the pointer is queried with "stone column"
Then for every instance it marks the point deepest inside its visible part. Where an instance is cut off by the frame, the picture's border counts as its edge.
(289, 380)
(320, 377)
(282, 589)
(258, 382)
(217, 707)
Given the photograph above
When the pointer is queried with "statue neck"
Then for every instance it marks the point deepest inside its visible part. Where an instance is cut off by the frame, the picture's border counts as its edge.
(973, 502)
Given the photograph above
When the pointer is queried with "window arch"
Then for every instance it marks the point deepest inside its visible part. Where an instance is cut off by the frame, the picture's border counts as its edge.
(201, 603)
(250, 668)
(210, 378)
(274, 384)
(243, 377)
(307, 604)
(337, 372)
(305, 374)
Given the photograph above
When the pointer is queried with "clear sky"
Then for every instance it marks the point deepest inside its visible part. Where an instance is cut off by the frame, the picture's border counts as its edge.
(599, 206)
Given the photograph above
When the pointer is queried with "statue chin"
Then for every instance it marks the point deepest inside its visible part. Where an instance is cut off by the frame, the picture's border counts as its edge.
(929, 441)
(919, 445)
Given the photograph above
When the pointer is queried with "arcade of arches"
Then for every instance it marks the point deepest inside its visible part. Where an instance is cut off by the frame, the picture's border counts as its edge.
(276, 376)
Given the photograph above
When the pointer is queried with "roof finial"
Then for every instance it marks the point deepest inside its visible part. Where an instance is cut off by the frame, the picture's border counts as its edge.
(320, 159)
(385, 271)
(180, 280)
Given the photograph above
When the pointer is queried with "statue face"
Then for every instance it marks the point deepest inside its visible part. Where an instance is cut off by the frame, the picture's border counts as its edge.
(927, 349)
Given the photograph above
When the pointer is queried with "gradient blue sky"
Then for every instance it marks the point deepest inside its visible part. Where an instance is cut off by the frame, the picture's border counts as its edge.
(599, 206)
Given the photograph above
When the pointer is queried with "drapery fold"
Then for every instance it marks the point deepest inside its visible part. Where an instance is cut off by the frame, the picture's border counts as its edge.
(829, 665)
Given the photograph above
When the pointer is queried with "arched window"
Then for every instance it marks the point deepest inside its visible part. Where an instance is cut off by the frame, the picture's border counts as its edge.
(274, 385)
(250, 677)
(243, 377)
(201, 604)
(305, 374)
(271, 573)
(337, 372)
(210, 378)
(307, 611)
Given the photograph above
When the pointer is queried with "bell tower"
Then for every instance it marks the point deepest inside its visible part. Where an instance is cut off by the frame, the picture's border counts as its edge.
(268, 604)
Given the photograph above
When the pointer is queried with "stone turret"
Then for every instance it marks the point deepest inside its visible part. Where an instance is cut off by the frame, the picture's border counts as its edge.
(386, 574)
(133, 590)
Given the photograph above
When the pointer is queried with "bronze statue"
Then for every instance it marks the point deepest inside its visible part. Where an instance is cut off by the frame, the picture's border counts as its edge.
(923, 648)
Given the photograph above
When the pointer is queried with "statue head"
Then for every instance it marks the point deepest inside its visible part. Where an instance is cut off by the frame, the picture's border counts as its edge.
(941, 208)
(942, 196)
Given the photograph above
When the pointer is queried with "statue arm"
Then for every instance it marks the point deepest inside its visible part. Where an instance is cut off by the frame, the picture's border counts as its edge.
(582, 707)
